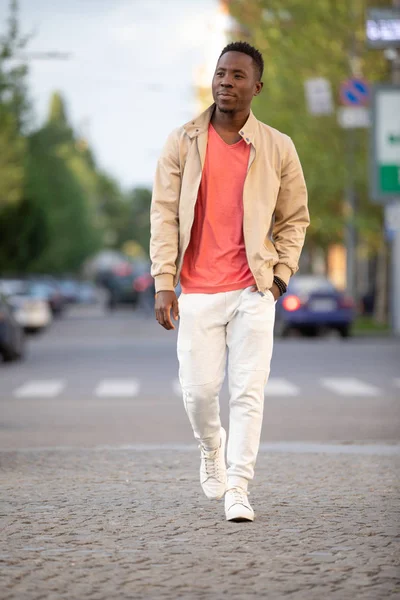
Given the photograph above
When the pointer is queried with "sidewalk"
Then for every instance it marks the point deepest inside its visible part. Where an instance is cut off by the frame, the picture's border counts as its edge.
(109, 523)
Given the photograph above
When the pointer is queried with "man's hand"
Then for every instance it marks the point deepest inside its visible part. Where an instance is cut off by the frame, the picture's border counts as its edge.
(165, 302)
(274, 289)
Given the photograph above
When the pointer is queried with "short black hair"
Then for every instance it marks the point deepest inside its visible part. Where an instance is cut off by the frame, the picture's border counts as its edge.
(245, 48)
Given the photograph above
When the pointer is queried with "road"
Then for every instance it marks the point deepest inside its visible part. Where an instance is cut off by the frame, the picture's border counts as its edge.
(97, 378)
(99, 489)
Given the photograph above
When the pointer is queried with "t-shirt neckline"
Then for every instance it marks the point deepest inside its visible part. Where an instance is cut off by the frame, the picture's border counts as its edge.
(223, 141)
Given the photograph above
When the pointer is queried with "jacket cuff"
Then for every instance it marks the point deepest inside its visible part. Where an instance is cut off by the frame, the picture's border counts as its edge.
(164, 282)
(283, 271)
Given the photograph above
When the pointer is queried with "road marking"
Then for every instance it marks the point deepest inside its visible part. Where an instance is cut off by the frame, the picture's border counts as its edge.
(349, 386)
(176, 386)
(40, 389)
(280, 387)
(117, 387)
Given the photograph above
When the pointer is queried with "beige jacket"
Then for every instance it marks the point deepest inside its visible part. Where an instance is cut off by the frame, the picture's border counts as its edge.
(274, 201)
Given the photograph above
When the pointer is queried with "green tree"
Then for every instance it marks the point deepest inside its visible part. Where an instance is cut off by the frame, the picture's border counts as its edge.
(14, 112)
(114, 211)
(54, 228)
(56, 206)
(301, 40)
(137, 225)
(12, 152)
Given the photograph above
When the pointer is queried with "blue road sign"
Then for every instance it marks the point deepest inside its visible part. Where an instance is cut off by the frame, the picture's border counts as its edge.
(354, 92)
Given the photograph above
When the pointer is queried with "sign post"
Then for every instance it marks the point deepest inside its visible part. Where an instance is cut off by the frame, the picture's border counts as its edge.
(353, 114)
(385, 167)
(385, 177)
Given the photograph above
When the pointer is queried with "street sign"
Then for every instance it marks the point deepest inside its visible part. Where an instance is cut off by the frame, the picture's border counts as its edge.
(354, 92)
(356, 117)
(319, 96)
(383, 28)
(385, 155)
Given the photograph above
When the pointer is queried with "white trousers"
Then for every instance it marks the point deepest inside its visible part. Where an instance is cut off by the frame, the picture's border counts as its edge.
(240, 323)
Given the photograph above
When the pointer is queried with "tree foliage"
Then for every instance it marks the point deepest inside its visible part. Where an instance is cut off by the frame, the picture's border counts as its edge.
(13, 110)
(301, 40)
(56, 206)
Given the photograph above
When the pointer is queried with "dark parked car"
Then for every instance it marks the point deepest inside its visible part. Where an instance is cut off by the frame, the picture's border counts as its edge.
(12, 339)
(47, 290)
(69, 289)
(87, 293)
(144, 285)
(311, 305)
(120, 284)
(127, 283)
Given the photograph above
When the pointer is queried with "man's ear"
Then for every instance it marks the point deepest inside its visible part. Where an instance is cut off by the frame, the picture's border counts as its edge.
(259, 87)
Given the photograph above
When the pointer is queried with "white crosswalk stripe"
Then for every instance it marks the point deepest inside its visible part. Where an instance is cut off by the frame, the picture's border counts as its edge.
(130, 388)
(49, 388)
(117, 388)
(349, 386)
(280, 387)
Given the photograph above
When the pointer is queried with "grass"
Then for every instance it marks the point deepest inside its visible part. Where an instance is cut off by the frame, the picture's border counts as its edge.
(365, 325)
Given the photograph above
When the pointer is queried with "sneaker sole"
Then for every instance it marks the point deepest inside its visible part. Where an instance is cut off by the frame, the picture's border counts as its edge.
(241, 519)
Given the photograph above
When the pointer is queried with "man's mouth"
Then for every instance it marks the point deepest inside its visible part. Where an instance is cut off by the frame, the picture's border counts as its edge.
(225, 95)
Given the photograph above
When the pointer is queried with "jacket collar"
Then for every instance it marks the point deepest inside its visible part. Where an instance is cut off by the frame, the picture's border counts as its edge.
(200, 125)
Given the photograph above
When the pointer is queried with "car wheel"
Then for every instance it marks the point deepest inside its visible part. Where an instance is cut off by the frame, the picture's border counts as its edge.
(344, 331)
(34, 330)
(313, 332)
(281, 330)
(111, 301)
(11, 355)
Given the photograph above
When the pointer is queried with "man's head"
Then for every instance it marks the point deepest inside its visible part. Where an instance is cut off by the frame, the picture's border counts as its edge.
(237, 78)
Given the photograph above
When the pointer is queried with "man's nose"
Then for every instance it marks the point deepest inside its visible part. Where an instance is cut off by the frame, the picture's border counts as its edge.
(226, 83)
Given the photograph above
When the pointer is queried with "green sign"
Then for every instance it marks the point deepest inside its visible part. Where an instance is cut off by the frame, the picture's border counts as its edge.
(389, 178)
(385, 156)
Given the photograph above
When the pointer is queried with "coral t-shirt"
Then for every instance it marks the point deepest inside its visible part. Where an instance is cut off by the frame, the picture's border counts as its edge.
(215, 260)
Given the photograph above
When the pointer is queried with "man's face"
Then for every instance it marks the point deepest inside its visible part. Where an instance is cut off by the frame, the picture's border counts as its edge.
(235, 82)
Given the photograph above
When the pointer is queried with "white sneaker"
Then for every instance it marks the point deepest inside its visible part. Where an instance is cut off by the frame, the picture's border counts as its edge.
(213, 470)
(237, 505)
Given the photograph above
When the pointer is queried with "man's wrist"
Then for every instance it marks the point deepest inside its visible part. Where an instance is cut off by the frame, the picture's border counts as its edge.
(280, 284)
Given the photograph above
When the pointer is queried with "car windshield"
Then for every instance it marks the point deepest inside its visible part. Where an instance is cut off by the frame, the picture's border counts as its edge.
(308, 285)
(68, 286)
(12, 287)
(39, 290)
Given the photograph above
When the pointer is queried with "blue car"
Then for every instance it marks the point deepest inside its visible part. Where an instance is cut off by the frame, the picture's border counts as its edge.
(311, 305)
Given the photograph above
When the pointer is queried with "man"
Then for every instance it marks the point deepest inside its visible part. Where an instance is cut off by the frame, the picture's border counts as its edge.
(228, 220)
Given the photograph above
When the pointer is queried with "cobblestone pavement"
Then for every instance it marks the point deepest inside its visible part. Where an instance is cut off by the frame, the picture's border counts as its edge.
(109, 523)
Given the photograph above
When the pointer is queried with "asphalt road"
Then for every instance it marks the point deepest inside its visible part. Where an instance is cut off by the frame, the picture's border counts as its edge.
(96, 378)
(99, 489)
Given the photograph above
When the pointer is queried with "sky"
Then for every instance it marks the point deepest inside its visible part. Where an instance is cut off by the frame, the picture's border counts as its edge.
(129, 79)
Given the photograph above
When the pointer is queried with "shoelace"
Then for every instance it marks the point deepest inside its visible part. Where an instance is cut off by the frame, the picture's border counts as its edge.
(210, 462)
(239, 494)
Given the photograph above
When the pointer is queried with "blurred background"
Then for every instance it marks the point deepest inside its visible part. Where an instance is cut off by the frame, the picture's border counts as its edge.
(89, 91)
